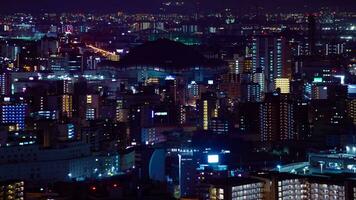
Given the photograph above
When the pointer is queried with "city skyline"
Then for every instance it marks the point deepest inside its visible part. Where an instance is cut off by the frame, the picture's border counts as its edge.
(9, 6)
(198, 100)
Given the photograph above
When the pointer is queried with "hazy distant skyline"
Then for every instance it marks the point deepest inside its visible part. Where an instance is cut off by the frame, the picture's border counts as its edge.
(10, 6)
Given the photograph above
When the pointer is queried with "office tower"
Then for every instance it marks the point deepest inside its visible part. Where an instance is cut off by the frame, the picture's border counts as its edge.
(277, 118)
(283, 84)
(270, 55)
(14, 114)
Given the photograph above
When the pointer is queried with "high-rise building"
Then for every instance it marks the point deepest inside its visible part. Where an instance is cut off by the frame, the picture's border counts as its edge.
(270, 55)
(334, 48)
(248, 117)
(182, 118)
(277, 118)
(247, 65)
(5, 83)
(351, 110)
(193, 90)
(231, 85)
(92, 62)
(67, 86)
(236, 64)
(235, 188)
(250, 92)
(92, 107)
(219, 126)
(283, 84)
(48, 46)
(207, 109)
(12, 190)
(14, 114)
(67, 105)
(171, 90)
(319, 91)
(259, 77)
(301, 119)
(311, 34)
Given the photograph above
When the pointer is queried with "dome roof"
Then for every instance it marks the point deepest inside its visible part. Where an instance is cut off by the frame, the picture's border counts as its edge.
(167, 53)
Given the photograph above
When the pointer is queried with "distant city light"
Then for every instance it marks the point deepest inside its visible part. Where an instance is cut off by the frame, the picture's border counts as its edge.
(169, 77)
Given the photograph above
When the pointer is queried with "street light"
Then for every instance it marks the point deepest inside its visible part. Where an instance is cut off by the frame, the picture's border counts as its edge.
(321, 163)
(279, 168)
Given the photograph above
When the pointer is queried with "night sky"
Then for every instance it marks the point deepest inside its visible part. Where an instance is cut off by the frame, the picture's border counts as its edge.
(10, 6)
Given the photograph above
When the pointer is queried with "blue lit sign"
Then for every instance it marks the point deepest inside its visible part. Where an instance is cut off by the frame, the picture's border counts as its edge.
(213, 158)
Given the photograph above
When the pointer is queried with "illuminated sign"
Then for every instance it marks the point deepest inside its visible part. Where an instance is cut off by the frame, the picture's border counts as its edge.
(161, 113)
(213, 158)
(318, 80)
(169, 77)
(351, 89)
